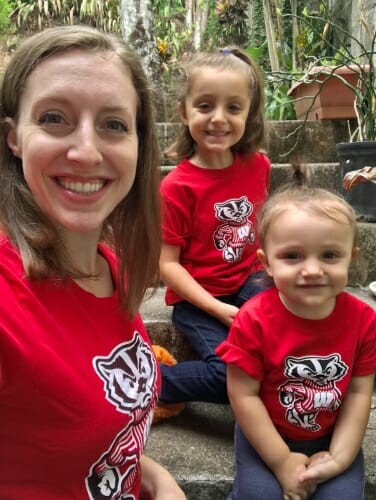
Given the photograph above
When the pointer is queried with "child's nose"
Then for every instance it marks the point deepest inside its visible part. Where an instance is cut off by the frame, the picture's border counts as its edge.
(219, 114)
(311, 268)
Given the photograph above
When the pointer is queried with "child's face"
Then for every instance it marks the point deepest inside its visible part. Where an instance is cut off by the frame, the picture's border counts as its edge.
(308, 257)
(77, 138)
(216, 110)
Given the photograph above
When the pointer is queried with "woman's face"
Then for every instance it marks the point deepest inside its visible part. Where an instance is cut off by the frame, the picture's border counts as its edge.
(76, 136)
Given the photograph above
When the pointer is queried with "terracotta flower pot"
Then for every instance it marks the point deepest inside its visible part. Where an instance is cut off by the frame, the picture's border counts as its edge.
(331, 99)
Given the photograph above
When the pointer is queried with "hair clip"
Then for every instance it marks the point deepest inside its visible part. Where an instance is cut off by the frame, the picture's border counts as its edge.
(226, 51)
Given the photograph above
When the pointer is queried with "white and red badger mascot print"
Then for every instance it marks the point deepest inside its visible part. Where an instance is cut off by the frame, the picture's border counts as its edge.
(237, 229)
(311, 388)
(129, 374)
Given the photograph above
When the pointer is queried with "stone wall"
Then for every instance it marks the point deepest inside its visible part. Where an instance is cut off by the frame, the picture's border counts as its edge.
(368, 11)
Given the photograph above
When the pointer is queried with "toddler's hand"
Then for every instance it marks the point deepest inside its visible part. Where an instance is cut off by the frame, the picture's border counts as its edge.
(288, 474)
(322, 467)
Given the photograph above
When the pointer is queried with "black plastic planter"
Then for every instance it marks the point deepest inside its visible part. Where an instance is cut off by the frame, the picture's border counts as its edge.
(353, 156)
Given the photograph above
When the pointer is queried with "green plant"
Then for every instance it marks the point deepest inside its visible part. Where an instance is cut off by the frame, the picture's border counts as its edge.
(103, 14)
(31, 15)
(278, 104)
(173, 37)
(6, 8)
(343, 49)
(232, 21)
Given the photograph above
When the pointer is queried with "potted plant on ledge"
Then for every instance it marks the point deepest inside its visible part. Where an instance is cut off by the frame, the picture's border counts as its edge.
(353, 77)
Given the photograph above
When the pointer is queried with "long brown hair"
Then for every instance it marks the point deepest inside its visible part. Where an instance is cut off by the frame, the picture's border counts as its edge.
(133, 228)
(237, 60)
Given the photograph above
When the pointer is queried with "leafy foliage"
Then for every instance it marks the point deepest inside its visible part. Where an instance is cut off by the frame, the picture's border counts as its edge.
(35, 15)
(173, 37)
(232, 21)
(228, 22)
(6, 8)
(338, 44)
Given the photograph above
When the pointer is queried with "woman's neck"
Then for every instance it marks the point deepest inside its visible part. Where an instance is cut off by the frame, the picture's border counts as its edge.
(82, 250)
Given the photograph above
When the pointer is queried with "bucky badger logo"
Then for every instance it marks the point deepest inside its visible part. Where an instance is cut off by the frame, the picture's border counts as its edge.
(311, 388)
(232, 236)
(129, 374)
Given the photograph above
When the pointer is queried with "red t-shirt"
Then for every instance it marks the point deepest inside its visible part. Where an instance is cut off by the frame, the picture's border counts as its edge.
(78, 386)
(211, 215)
(304, 366)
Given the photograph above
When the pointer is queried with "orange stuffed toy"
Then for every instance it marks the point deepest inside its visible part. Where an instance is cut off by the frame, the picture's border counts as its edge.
(165, 410)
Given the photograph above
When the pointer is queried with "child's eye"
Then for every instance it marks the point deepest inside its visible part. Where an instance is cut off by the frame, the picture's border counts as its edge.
(234, 108)
(204, 106)
(292, 256)
(330, 255)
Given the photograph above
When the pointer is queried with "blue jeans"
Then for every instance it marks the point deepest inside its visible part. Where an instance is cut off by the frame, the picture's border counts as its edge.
(204, 379)
(255, 481)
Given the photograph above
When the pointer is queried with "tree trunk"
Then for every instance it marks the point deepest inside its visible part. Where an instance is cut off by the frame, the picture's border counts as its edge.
(137, 28)
(270, 36)
(189, 14)
(201, 15)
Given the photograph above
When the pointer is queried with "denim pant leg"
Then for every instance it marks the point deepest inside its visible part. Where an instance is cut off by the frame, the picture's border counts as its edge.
(253, 478)
(347, 486)
(204, 379)
(256, 283)
(255, 481)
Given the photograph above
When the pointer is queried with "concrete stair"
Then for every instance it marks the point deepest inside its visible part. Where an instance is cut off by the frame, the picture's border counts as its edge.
(197, 445)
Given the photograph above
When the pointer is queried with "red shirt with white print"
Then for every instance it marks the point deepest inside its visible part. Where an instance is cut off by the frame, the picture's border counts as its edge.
(211, 215)
(78, 386)
(304, 366)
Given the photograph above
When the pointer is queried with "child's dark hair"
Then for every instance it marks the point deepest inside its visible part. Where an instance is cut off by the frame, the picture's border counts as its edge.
(231, 58)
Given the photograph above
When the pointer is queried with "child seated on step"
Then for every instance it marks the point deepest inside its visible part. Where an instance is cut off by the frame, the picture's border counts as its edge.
(210, 204)
(302, 356)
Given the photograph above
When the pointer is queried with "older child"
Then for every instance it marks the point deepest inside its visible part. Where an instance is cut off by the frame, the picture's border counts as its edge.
(301, 357)
(210, 203)
(78, 380)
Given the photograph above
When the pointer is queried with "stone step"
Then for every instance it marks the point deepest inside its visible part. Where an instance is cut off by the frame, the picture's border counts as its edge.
(326, 175)
(197, 448)
(197, 445)
(312, 142)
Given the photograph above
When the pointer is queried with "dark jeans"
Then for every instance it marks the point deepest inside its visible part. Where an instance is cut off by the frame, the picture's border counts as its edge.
(255, 481)
(204, 379)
